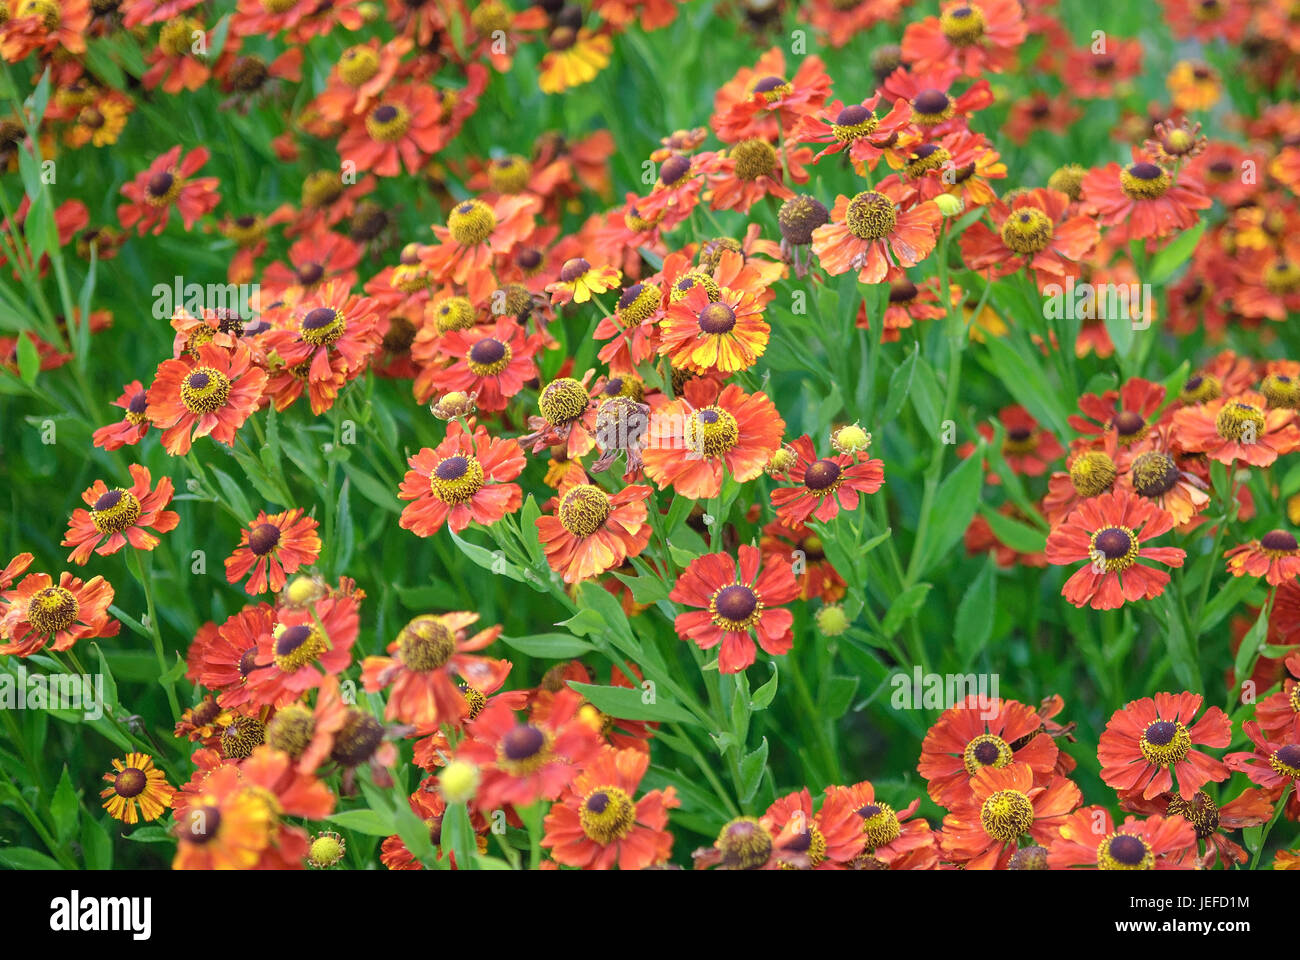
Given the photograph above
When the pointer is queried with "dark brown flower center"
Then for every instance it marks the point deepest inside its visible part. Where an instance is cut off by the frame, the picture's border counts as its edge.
(821, 475)
(263, 539)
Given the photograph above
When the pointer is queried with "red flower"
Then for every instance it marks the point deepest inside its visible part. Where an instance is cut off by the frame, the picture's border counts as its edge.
(167, 184)
(1143, 200)
(977, 37)
(877, 231)
(1037, 233)
(302, 648)
(1240, 427)
(522, 763)
(403, 128)
(1108, 531)
(598, 825)
(984, 832)
(592, 531)
(1272, 765)
(737, 604)
(1275, 556)
(979, 733)
(1148, 738)
(829, 839)
(827, 485)
(894, 839)
(39, 612)
(493, 363)
(425, 655)
(134, 424)
(1089, 838)
(272, 546)
(461, 480)
(215, 397)
(122, 515)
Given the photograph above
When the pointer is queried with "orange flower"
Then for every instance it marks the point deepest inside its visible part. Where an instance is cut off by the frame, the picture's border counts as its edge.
(1108, 531)
(695, 440)
(425, 654)
(876, 232)
(1148, 744)
(1143, 200)
(984, 832)
(825, 485)
(272, 546)
(1037, 234)
(213, 398)
(598, 825)
(978, 37)
(403, 129)
(1089, 838)
(463, 479)
(302, 648)
(477, 235)
(167, 185)
(829, 839)
(703, 333)
(39, 612)
(893, 840)
(735, 604)
(131, 429)
(592, 531)
(139, 789)
(1235, 428)
(122, 515)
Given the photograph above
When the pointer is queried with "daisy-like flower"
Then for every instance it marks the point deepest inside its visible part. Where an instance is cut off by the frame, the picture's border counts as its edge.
(1147, 745)
(1089, 838)
(855, 128)
(1279, 714)
(137, 789)
(333, 325)
(1156, 476)
(743, 844)
(694, 441)
(984, 832)
(979, 733)
(1210, 821)
(492, 364)
(1037, 233)
(1194, 85)
(1274, 556)
(719, 329)
(131, 429)
(213, 398)
(574, 58)
(736, 604)
(168, 185)
(1127, 415)
(593, 531)
(522, 762)
(1272, 765)
(830, 839)
(935, 108)
(1108, 532)
(39, 612)
(302, 648)
(1240, 427)
(1143, 200)
(401, 129)
(423, 657)
(476, 235)
(273, 546)
(1027, 448)
(872, 234)
(580, 281)
(306, 733)
(825, 485)
(598, 825)
(977, 37)
(465, 478)
(895, 840)
(45, 26)
(751, 170)
(122, 515)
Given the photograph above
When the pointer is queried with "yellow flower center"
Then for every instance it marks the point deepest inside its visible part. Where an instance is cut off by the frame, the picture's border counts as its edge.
(986, 750)
(471, 222)
(1027, 231)
(1165, 742)
(1092, 473)
(963, 26)
(298, 646)
(456, 479)
(607, 815)
(1006, 815)
(205, 390)
(583, 510)
(871, 216)
(115, 511)
(1240, 421)
(1145, 181)
(1123, 851)
(426, 643)
(52, 609)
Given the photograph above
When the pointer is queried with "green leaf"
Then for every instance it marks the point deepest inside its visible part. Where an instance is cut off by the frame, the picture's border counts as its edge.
(458, 836)
(96, 845)
(29, 359)
(234, 495)
(751, 772)
(1013, 533)
(628, 703)
(1028, 384)
(549, 646)
(1225, 601)
(900, 385)
(974, 623)
(150, 835)
(64, 807)
(1251, 646)
(1174, 255)
(20, 858)
(904, 608)
(372, 489)
(764, 695)
(494, 561)
(836, 696)
(368, 822)
(954, 505)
